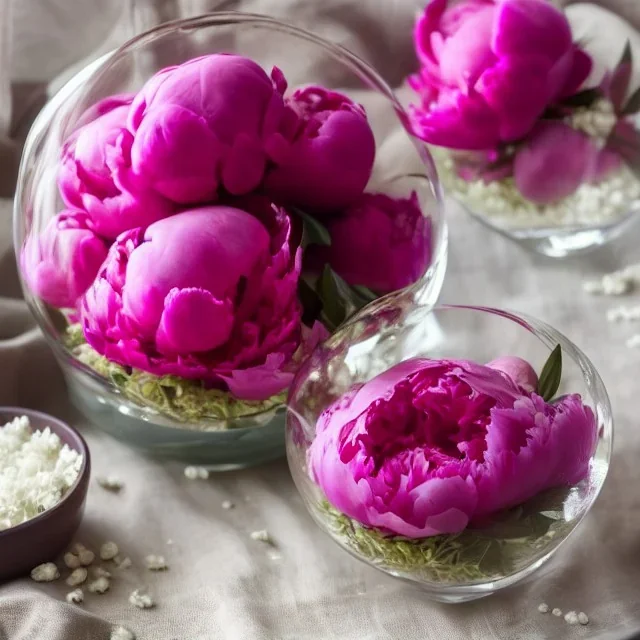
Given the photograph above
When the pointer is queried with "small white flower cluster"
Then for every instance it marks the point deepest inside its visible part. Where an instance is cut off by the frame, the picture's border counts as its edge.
(619, 283)
(571, 617)
(36, 471)
(597, 121)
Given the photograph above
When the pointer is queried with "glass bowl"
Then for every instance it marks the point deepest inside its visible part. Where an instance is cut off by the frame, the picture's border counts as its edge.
(598, 196)
(403, 166)
(488, 556)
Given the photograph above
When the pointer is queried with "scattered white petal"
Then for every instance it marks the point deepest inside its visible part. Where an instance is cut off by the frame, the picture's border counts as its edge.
(109, 550)
(72, 560)
(583, 618)
(543, 608)
(634, 341)
(227, 504)
(100, 585)
(571, 617)
(75, 597)
(262, 536)
(122, 633)
(196, 473)
(142, 600)
(101, 572)
(111, 483)
(85, 555)
(557, 612)
(156, 563)
(77, 576)
(47, 572)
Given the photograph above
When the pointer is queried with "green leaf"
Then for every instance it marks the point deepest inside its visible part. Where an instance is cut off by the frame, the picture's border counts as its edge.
(311, 302)
(551, 374)
(314, 232)
(633, 104)
(365, 293)
(583, 98)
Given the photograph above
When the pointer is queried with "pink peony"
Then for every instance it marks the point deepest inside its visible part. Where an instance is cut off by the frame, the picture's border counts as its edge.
(61, 263)
(554, 162)
(519, 370)
(327, 164)
(208, 294)
(490, 69)
(379, 242)
(95, 175)
(427, 446)
(204, 125)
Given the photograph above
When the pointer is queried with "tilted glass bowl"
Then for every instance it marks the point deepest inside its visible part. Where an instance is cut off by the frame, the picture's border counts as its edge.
(479, 561)
(403, 165)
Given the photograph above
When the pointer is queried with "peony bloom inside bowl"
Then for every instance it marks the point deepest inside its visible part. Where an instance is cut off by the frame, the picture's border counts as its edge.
(532, 114)
(458, 471)
(188, 234)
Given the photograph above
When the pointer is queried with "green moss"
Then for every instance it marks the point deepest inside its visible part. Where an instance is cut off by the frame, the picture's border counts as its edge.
(183, 400)
(474, 555)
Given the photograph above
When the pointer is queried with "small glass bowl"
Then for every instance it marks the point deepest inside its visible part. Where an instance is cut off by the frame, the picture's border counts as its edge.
(403, 165)
(515, 545)
(607, 202)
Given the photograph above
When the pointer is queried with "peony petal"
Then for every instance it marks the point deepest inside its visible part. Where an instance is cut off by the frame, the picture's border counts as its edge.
(581, 66)
(554, 163)
(519, 370)
(530, 27)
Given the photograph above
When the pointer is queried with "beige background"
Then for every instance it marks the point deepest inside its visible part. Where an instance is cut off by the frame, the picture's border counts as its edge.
(221, 584)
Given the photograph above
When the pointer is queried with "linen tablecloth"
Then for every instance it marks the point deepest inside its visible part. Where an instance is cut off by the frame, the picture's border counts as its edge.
(222, 584)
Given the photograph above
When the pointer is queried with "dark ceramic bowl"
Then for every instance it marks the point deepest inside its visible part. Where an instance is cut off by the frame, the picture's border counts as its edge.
(42, 538)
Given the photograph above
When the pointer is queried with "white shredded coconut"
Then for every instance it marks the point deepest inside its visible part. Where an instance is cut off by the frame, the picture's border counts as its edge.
(156, 563)
(75, 597)
(583, 618)
(99, 585)
(47, 572)
(196, 473)
(557, 612)
(86, 556)
(36, 471)
(571, 617)
(142, 600)
(111, 483)
(109, 550)
(77, 576)
(122, 633)
(543, 608)
(261, 536)
(72, 560)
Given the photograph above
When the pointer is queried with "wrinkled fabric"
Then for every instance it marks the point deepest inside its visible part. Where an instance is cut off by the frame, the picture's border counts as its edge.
(429, 446)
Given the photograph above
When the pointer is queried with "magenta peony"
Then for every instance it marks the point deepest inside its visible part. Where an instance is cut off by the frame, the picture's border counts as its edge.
(204, 125)
(554, 162)
(379, 242)
(207, 294)
(328, 162)
(61, 263)
(490, 69)
(428, 446)
(95, 173)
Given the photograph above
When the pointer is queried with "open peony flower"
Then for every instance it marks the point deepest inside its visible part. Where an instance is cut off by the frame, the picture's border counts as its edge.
(328, 162)
(554, 162)
(95, 176)
(427, 446)
(204, 125)
(207, 294)
(379, 242)
(61, 263)
(490, 69)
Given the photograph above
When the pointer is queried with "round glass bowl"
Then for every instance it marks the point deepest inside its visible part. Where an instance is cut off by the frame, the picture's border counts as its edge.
(403, 166)
(603, 172)
(482, 559)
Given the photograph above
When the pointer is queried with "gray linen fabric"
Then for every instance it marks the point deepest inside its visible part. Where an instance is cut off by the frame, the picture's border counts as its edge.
(222, 585)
